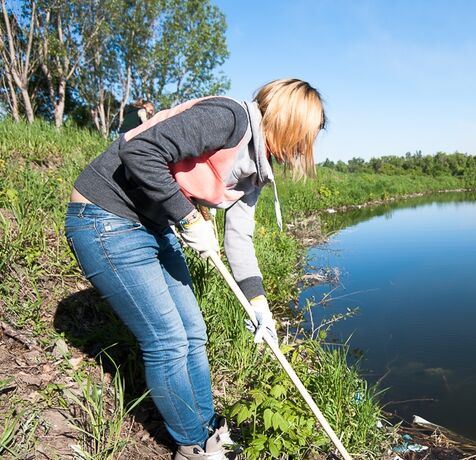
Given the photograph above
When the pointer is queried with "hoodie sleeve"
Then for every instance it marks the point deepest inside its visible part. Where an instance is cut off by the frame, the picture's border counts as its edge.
(211, 124)
(239, 248)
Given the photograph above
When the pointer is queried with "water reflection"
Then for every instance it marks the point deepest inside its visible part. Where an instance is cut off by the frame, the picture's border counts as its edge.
(352, 217)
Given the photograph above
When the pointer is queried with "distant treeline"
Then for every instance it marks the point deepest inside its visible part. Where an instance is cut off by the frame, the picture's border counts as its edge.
(442, 164)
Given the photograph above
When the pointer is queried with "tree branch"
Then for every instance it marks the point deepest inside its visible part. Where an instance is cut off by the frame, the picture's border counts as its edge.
(12, 59)
(30, 42)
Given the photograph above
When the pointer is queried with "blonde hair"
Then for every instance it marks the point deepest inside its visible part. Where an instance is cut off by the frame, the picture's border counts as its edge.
(293, 115)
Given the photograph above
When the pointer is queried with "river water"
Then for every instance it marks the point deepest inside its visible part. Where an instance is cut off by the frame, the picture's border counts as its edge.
(410, 268)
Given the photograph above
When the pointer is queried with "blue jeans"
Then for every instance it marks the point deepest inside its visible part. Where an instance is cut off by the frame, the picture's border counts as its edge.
(143, 275)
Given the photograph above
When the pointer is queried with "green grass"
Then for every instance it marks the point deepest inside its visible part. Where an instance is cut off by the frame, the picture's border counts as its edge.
(17, 433)
(101, 419)
(38, 165)
(333, 189)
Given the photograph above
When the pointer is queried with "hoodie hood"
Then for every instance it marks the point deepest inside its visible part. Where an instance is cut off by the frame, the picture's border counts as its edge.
(265, 172)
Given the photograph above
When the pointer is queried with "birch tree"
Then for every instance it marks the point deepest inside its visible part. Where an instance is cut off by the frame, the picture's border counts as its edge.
(135, 33)
(63, 45)
(105, 52)
(8, 91)
(99, 64)
(162, 50)
(16, 50)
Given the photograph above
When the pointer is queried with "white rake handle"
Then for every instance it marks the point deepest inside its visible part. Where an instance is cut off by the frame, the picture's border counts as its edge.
(279, 355)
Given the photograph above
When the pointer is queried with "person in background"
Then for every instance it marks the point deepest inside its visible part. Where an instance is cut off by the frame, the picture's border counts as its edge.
(135, 114)
(213, 151)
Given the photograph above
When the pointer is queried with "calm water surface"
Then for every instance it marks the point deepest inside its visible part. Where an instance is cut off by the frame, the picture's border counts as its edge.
(411, 270)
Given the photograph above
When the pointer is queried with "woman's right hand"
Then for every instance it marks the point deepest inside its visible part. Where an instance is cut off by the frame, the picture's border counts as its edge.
(198, 234)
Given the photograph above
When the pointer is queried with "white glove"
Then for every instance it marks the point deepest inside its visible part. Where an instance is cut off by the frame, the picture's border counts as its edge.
(264, 319)
(198, 234)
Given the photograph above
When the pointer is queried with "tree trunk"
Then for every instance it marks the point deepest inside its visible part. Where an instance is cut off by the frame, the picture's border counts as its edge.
(17, 62)
(102, 119)
(94, 116)
(27, 105)
(125, 96)
(12, 97)
(59, 104)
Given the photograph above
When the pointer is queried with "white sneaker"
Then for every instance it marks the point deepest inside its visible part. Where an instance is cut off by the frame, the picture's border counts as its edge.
(197, 453)
(217, 445)
(224, 437)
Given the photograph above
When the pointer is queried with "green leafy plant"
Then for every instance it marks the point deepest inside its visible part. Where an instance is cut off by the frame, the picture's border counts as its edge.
(277, 423)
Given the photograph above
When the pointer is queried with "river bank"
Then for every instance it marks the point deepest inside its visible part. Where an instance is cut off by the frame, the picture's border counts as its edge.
(49, 389)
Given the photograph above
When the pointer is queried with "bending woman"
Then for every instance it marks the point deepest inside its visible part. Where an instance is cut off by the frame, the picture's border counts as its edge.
(214, 151)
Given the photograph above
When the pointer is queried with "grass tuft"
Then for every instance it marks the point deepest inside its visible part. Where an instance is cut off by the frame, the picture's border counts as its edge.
(101, 419)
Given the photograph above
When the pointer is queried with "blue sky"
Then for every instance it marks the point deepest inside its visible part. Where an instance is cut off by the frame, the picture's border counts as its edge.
(397, 76)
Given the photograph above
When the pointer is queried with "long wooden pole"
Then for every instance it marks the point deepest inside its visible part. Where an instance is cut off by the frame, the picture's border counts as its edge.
(279, 355)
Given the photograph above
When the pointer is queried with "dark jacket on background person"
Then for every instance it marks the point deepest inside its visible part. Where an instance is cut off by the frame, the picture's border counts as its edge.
(133, 117)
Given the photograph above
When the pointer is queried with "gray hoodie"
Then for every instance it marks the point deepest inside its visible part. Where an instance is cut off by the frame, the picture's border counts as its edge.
(132, 178)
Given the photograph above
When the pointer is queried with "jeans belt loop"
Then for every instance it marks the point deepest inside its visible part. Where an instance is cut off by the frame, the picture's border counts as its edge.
(81, 210)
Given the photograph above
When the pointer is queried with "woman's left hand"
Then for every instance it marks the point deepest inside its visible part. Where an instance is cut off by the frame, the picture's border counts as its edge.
(264, 319)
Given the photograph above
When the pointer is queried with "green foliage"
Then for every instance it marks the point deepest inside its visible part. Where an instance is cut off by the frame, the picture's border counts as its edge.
(277, 424)
(181, 61)
(334, 189)
(17, 435)
(96, 56)
(38, 164)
